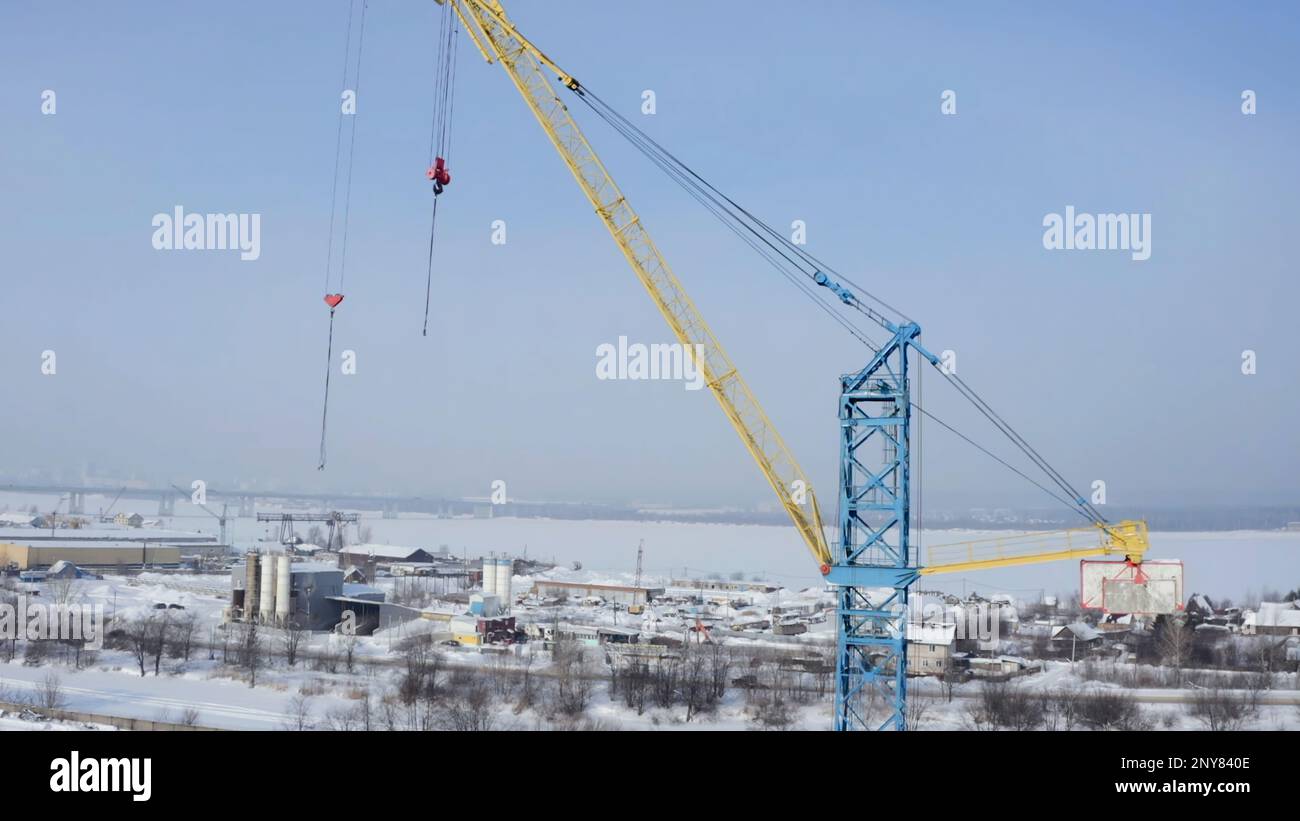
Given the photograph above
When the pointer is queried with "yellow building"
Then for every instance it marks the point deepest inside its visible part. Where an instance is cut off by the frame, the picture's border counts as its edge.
(38, 555)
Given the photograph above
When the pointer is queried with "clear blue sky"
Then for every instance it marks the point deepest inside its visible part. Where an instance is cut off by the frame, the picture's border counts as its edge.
(195, 364)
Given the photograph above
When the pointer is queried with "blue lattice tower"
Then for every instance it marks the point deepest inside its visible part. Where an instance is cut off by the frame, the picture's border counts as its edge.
(873, 561)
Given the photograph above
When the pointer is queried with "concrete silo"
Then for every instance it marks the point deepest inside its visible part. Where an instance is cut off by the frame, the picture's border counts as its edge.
(266, 598)
(282, 598)
(504, 579)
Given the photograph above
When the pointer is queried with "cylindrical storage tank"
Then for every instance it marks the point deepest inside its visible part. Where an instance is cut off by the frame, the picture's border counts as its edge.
(266, 600)
(489, 574)
(282, 598)
(504, 577)
(251, 587)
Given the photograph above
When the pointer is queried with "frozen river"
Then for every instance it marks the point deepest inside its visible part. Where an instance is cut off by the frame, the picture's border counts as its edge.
(1217, 563)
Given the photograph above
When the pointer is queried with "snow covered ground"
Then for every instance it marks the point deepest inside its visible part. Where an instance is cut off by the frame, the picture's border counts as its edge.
(1216, 563)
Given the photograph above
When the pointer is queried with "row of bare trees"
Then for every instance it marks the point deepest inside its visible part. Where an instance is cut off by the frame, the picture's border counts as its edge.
(696, 679)
(149, 637)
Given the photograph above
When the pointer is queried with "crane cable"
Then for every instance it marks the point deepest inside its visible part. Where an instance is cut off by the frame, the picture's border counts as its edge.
(763, 245)
(776, 247)
(334, 299)
(444, 108)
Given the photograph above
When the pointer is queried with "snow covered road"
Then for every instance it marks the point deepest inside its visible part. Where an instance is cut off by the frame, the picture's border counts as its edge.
(223, 704)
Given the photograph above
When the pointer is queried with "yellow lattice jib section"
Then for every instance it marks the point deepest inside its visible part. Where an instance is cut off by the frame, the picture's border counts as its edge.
(1127, 539)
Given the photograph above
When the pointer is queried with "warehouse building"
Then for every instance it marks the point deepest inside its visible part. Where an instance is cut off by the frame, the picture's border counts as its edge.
(362, 554)
(619, 594)
(731, 586)
(42, 554)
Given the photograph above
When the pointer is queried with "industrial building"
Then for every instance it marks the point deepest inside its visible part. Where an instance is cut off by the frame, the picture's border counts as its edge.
(475, 630)
(498, 578)
(100, 533)
(589, 635)
(362, 554)
(736, 586)
(619, 594)
(41, 554)
(272, 589)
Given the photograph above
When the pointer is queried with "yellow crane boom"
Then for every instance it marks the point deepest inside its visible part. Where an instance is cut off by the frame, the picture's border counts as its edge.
(499, 41)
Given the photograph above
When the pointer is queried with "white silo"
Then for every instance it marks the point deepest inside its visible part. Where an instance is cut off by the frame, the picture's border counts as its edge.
(282, 597)
(505, 577)
(266, 599)
(489, 574)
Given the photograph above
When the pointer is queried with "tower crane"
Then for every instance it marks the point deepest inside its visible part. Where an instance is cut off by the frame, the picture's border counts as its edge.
(104, 514)
(220, 517)
(873, 563)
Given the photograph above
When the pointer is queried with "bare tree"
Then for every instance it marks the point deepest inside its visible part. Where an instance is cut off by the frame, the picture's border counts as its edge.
(773, 713)
(291, 639)
(342, 719)
(158, 640)
(1060, 709)
(1175, 644)
(1003, 705)
(573, 679)
(699, 687)
(918, 710)
(527, 684)
(139, 634)
(1110, 710)
(61, 591)
(51, 692)
(298, 714)
(636, 685)
(470, 708)
(350, 651)
(251, 651)
(181, 639)
(1221, 710)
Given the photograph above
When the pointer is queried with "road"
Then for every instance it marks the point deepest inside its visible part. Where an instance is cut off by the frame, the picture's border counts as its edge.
(220, 703)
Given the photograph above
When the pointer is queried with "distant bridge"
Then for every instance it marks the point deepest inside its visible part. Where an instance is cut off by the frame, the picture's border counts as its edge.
(244, 504)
